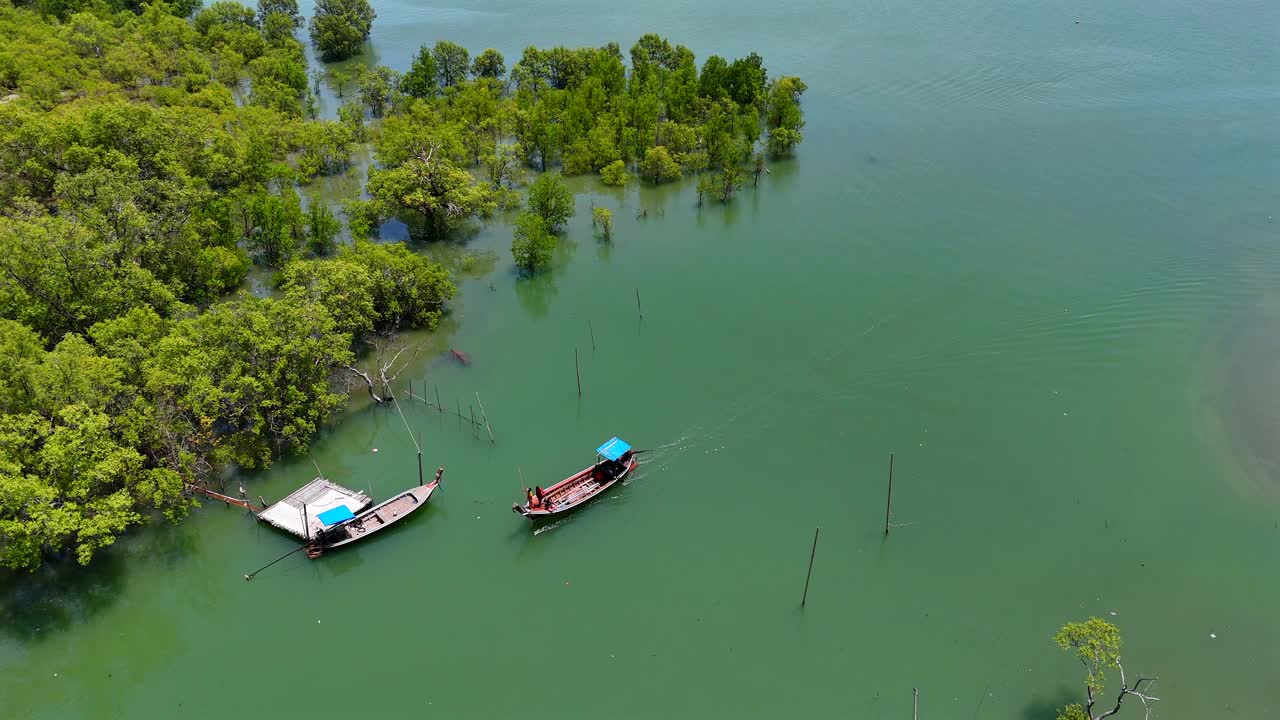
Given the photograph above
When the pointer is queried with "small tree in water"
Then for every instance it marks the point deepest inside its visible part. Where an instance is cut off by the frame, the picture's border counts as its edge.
(489, 64)
(614, 174)
(658, 165)
(340, 27)
(728, 182)
(322, 229)
(603, 219)
(550, 200)
(532, 242)
(1096, 644)
(706, 185)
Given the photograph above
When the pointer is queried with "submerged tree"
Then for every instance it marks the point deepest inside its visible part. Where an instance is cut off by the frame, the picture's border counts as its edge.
(614, 174)
(420, 81)
(421, 169)
(1096, 644)
(727, 182)
(550, 200)
(603, 219)
(378, 89)
(489, 64)
(340, 27)
(502, 166)
(782, 141)
(706, 186)
(659, 166)
(452, 63)
(287, 8)
(532, 242)
(783, 115)
(322, 229)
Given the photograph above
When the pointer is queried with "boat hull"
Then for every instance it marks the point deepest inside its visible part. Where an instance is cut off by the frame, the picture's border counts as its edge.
(573, 492)
(373, 520)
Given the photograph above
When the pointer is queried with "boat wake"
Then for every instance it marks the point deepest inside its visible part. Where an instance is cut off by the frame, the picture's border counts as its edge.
(659, 457)
(549, 526)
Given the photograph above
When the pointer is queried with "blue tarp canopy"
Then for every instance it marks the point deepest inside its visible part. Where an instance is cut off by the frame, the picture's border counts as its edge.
(613, 449)
(335, 515)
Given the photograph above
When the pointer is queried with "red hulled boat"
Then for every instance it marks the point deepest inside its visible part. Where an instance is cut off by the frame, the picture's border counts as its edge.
(614, 460)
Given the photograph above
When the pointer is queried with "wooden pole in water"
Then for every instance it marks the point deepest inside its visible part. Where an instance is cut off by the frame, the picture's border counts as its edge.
(439, 407)
(420, 481)
(915, 704)
(638, 310)
(809, 574)
(577, 375)
(485, 415)
(410, 388)
(459, 412)
(592, 333)
(472, 409)
(889, 501)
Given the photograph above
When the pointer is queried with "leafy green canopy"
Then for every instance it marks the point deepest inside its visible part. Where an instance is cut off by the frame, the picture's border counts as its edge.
(421, 169)
(134, 192)
(340, 27)
(583, 110)
(550, 200)
(532, 242)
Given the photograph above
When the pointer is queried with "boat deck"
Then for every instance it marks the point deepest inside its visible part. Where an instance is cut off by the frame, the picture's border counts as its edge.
(378, 518)
(576, 494)
(318, 496)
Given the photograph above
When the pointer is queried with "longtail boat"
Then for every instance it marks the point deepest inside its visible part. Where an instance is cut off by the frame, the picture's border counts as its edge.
(614, 460)
(339, 526)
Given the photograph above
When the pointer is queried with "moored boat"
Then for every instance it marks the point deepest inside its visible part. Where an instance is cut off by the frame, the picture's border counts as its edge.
(335, 528)
(614, 460)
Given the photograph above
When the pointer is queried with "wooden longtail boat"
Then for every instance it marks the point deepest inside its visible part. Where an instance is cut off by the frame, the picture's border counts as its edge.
(614, 460)
(338, 527)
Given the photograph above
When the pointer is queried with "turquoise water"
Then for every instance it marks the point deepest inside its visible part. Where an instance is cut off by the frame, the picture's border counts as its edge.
(1033, 257)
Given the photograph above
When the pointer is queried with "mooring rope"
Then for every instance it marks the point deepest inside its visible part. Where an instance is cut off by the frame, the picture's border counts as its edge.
(406, 424)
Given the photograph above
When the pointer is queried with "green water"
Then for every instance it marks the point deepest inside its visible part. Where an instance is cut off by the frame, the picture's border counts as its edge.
(1034, 258)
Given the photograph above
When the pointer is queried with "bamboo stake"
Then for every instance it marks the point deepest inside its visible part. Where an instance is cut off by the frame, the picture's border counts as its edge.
(592, 333)
(474, 426)
(439, 407)
(638, 310)
(485, 415)
(577, 375)
(889, 501)
(915, 704)
(809, 574)
(459, 412)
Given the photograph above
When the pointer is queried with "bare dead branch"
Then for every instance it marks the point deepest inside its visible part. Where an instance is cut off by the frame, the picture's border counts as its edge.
(1125, 691)
(368, 381)
(388, 369)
